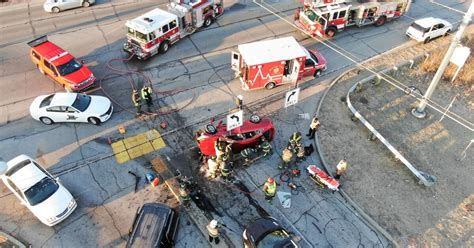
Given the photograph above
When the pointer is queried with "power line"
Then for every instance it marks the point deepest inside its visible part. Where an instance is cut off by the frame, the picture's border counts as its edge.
(398, 84)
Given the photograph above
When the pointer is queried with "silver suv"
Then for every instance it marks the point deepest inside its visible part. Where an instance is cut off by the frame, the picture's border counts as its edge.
(57, 6)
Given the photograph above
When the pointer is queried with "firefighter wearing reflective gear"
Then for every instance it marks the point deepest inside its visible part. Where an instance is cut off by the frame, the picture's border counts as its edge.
(183, 193)
(294, 140)
(286, 157)
(248, 153)
(213, 231)
(219, 146)
(147, 96)
(137, 101)
(269, 188)
(213, 166)
(313, 127)
(341, 167)
(265, 146)
(300, 153)
(225, 169)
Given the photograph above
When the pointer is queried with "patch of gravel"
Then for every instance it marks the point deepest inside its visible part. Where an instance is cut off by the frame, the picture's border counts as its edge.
(438, 216)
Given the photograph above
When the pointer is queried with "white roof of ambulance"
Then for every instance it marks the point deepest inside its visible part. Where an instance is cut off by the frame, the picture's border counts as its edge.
(262, 52)
(158, 18)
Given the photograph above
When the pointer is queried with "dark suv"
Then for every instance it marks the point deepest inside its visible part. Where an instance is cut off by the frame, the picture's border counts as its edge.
(155, 225)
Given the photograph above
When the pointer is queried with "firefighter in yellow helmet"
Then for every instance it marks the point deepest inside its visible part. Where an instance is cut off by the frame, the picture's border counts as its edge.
(269, 188)
(294, 140)
(137, 102)
(286, 157)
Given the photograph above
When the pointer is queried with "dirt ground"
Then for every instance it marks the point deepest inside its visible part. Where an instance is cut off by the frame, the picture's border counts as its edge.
(415, 215)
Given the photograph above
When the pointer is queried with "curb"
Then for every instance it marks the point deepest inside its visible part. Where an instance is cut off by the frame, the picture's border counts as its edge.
(10, 241)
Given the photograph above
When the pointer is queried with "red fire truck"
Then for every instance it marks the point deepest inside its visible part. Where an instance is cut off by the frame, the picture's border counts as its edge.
(157, 29)
(327, 17)
(268, 63)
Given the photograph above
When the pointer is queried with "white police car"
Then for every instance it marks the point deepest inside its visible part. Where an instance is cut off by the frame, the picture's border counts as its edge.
(426, 29)
(71, 107)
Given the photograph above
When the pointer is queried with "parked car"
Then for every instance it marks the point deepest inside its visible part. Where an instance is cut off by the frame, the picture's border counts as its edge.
(155, 225)
(36, 189)
(248, 135)
(59, 65)
(267, 232)
(57, 6)
(426, 29)
(71, 107)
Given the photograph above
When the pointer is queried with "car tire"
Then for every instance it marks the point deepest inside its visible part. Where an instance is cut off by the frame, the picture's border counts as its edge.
(164, 46)
(40, 70)
(427, 40)
(255, 119)
(207, 22)
(55, 10)
(447, 32)
(270, 85)
(331, 32)
(86, 4)
(93, 121)
(210, 129)
(46, 120)
(317, 73)
(381, 21)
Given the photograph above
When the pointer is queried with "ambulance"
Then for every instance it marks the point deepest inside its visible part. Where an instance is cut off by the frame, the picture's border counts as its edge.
(154, 31)
(269, 63)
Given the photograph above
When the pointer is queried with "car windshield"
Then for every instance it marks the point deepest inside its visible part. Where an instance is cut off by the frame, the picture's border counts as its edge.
(277, 238)
(418, 27)
(69, 67)
(82, 102)
(41, 191)
(313, 57)
(46, 101)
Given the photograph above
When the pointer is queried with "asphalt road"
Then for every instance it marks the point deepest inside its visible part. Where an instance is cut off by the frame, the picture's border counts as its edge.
(196, 68)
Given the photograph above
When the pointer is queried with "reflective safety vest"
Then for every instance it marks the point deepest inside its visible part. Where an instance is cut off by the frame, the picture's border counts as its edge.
(136, 99)
(247, 152)
(213, 232)
(266, 147)
(314, 124)
(212, 164)
(300, 153)
(270, 188)
(225, 170)
(146, 92)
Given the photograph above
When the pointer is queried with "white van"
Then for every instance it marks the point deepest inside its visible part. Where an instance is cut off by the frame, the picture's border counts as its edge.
(57, 6)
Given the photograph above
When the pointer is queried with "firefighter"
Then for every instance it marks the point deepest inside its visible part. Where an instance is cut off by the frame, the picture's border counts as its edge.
(313, 127)
(184, 193)
(269, 188)
(213, 166)
(247, 154)
(213, 232)
(286, 157)
(239, 102)
(265, 146)
(219, 146)
(147, 96)
(341, 167)
(294, 140)
(137, 102)
(300, 153)
(225, 170)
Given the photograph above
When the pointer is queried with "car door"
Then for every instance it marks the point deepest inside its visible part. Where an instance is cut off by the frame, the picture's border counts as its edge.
(68, 4)
(73, 115)
(56, 113)
(50, 70)
(309, 66)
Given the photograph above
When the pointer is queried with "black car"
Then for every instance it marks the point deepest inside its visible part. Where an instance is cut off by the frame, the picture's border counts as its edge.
(267, 232)
(155, 225)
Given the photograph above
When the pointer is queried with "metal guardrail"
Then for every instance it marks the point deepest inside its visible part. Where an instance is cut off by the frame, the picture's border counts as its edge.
(425, 178)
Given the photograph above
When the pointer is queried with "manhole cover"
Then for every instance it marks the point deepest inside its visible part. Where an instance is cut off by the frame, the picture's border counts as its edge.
(363, 100)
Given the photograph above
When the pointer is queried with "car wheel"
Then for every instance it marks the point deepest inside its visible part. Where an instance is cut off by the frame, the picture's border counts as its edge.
(86, 4)
(165, 45)
(56, 10)
(447, 32)
(317, 73)
(255, 119)
(40, 69)
(93, 120)
(380, 21)
(46, 120)
(331, 31)
(427, 40)
(210, 129)
(207, 22)
(270, 85)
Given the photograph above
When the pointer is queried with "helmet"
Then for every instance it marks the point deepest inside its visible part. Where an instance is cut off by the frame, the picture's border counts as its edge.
(213, 157)
(135, 91)
(270, 180)
(213, 224)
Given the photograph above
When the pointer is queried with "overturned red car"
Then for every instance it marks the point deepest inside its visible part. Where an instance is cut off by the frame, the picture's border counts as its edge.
(248, 135)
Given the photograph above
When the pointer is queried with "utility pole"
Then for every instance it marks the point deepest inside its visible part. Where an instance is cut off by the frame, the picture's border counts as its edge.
(419, 111)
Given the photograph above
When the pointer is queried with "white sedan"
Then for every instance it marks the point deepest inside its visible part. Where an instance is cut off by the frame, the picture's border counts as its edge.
(71, 107)
(42, 194)
(426, 29)
(56, 6)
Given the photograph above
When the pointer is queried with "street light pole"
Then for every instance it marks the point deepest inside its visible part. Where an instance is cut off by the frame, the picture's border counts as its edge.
(419, 111)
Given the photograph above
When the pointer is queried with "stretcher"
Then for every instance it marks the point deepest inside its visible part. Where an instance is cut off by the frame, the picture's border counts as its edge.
(322, 178)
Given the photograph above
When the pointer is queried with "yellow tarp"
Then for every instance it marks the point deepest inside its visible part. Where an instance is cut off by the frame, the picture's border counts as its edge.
(138, 145)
